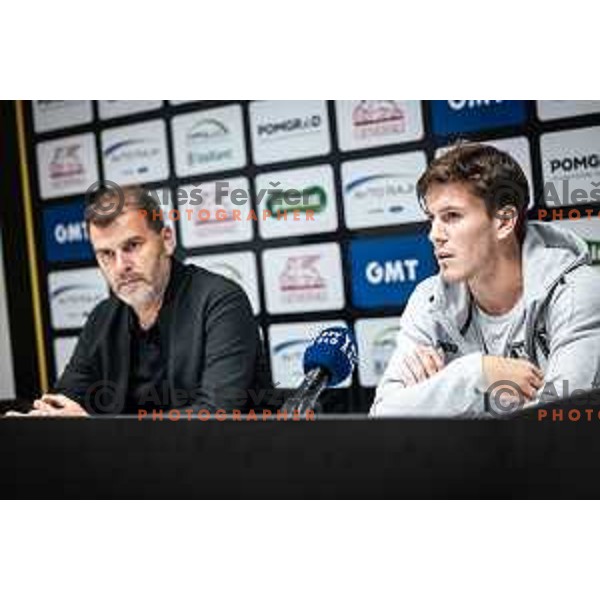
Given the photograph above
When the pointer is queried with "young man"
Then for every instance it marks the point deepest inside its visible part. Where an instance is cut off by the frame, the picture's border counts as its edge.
(170, 336)
(513, 315)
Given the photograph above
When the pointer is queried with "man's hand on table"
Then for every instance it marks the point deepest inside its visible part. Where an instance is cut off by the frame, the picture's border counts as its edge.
(524, 374)
(426, 361)
(52, 405)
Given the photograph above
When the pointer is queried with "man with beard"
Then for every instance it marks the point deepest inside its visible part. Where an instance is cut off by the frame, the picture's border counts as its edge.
(170, 335)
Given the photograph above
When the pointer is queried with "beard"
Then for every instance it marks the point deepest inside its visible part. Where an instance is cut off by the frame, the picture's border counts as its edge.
(137, 292)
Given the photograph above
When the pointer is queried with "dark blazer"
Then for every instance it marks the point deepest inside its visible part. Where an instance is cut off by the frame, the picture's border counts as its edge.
(213, 348)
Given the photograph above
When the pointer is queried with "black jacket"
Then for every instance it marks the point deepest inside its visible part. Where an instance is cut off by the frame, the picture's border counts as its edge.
(213, 348)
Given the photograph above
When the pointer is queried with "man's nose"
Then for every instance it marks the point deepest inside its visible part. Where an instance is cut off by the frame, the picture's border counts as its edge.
(122, 262)
(437, 233)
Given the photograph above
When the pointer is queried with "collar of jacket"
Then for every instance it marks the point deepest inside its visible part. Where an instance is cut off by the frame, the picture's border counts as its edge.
(548, 254)
(117, 340)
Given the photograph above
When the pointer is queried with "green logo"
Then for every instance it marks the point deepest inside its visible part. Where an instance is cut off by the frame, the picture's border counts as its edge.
(312, 198)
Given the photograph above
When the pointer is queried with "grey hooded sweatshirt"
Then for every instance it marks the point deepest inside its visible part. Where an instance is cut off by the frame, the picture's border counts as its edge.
(558, 330)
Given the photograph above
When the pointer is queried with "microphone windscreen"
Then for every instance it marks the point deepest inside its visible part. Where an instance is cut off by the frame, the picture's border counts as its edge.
(335, 351)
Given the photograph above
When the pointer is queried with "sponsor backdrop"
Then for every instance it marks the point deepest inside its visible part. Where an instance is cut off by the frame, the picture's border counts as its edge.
(309, 205)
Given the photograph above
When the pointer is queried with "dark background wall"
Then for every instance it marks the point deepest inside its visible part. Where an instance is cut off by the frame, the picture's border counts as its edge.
(18, 284)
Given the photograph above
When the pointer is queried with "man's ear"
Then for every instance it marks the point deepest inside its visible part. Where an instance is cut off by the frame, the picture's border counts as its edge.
(506, 220)
(169, 239)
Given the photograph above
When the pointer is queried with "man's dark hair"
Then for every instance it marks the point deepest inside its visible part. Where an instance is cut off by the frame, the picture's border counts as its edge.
(489, 173)
(107, 204)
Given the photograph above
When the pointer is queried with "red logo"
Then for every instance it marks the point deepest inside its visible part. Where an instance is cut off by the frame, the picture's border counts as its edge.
(374, 118)
(300, 274)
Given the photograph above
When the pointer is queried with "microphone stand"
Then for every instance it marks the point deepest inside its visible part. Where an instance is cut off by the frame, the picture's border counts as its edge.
(306, 396)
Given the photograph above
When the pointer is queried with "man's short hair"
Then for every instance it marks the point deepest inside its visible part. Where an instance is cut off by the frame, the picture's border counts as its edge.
(490, 174)
(106, 205)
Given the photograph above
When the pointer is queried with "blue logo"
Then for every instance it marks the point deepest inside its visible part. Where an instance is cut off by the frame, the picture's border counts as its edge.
(294, 345)
(461, 116)
(65, 234)
(385, 271)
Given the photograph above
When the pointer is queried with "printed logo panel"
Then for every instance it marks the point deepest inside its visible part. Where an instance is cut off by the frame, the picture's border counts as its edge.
(209, 141)
(237, 266)
(385, 271)
(135, 153)
(296, 202)
(67, 166)
(376, 339)
(110, 109)
(49, 115)
(460, 116)
(559, 109)
(63, 350)
(65, 233)
(571, 167)
(382, 191)
(303, 278)
(289, 129)
(287, 344)
(370, 123)
(216, 212)
(73, 295)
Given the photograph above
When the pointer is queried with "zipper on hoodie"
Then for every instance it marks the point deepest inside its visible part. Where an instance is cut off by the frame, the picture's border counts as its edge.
(528, 346)
(454, 335)
(530, 332)
(457, 344)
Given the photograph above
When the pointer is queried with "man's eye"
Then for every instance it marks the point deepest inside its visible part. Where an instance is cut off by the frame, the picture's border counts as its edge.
(104, 257)
(452, 216)
(132, 246)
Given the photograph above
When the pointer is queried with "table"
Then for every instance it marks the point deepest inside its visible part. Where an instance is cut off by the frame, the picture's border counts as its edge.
(347, 457)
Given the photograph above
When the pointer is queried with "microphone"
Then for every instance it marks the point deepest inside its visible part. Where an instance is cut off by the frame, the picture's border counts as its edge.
(328, 361)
